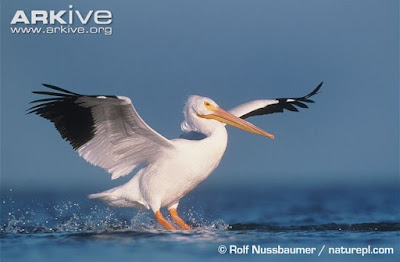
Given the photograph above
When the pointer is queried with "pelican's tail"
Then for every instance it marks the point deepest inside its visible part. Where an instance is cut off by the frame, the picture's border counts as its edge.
(126, 195)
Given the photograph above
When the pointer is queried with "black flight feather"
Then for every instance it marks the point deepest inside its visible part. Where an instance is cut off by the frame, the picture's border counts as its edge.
(74, 122)
(285, 103)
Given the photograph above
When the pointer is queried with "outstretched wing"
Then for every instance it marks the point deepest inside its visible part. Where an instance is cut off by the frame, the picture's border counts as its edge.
(264, 107)
(105, 130)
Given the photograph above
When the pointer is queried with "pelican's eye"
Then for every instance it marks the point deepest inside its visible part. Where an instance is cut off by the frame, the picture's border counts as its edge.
(209, 106)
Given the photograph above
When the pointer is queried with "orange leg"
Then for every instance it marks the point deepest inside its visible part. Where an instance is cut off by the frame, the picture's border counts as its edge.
(179, 221)
(163, 221)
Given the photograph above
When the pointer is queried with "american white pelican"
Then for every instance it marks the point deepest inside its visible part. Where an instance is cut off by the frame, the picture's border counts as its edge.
(108, 132)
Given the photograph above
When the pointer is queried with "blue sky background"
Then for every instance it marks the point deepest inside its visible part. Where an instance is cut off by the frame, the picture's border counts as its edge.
(232, 51)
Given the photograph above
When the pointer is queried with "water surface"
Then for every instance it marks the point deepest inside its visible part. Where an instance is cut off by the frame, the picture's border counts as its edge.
(70, 227)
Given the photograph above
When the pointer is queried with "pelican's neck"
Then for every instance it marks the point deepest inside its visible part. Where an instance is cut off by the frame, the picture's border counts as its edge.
(217, 138)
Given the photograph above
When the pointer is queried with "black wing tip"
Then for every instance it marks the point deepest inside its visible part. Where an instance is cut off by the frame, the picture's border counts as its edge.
(304, 99)
(315, 91)
(60, 89)
(59, 95)
(74, 122)
(319, 87)
(285, 104)
(62, 93)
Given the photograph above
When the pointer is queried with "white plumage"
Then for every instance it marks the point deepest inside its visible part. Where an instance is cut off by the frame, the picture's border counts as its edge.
(108, 132)
(122, 139)
(251, 106)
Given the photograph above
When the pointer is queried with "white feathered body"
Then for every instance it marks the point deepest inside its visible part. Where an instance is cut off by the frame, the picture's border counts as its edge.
(180, 169)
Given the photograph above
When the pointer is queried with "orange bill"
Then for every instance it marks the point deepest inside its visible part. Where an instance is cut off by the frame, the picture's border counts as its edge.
(232, 120)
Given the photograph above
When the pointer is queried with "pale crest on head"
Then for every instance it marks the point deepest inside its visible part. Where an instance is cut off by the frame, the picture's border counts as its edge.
(195, 105)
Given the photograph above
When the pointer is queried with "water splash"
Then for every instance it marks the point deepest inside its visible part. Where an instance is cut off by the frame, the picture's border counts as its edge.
(84, 216)
(54, 214)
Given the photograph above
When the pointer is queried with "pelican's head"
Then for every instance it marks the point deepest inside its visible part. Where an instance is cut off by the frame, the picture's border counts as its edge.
(203, 115)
